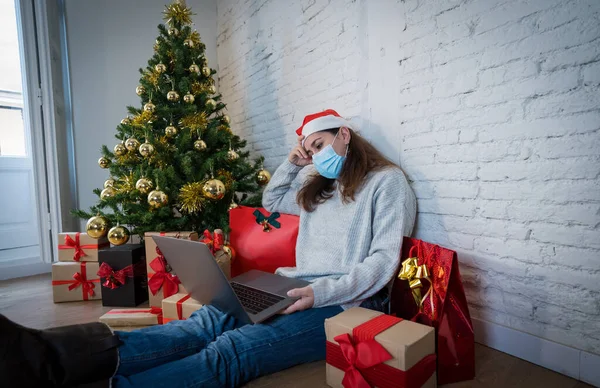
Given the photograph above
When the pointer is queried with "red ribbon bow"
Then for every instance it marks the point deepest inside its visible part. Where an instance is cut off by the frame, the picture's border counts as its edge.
(214, 241)
(362, 359)
(361, 355)
(161, 278)
(80, 279)
(152, 310)
(114, 279)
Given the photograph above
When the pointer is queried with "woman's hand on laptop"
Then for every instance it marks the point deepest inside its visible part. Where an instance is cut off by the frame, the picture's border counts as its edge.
(306, 301)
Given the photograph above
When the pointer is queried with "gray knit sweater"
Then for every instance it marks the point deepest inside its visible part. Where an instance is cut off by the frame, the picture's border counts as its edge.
(348, 251)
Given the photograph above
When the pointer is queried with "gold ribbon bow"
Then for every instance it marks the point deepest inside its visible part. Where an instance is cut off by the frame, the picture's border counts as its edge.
(415, 274)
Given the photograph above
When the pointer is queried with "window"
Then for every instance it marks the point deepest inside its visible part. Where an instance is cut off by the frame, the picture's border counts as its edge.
(12, 130)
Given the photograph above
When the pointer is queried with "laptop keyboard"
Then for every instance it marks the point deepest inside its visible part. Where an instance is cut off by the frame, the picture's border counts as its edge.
(253, 300)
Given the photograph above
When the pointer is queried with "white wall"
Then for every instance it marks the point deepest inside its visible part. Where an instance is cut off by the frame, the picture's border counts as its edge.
(491, 107)
(108, 41)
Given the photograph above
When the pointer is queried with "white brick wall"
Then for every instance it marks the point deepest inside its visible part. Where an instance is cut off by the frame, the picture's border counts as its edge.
(492, 107)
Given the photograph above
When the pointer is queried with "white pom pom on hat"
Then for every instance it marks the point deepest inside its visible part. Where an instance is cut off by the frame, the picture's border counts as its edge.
(320, 121)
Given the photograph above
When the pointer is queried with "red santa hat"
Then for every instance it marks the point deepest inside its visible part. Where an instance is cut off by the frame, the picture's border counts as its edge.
(320, 121)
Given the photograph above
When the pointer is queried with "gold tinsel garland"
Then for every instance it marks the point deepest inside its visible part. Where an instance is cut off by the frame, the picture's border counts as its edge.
(198, 88)
(171, 55)
(191, 197)
(195, 121)
(142, 119)
(153, 77)
(165, 143)
(125, 184)
(177, 13)
(226, 177)
(195, 37)
(131, 157)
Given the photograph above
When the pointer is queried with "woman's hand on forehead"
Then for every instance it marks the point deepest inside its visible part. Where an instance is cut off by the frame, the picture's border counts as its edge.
(298, 155)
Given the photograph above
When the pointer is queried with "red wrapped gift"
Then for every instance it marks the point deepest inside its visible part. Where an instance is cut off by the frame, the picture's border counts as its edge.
(262, 240)
(429, 291)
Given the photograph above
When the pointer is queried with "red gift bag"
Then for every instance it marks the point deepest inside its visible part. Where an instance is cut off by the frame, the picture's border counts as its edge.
(443, 306)
(262, 240)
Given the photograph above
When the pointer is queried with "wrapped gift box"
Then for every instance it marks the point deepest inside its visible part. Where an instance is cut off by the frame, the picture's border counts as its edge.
(77, 246)
(132, 317)
(368, 348)
(166, 282)
(179, 307)
(224, 262)
(123, 275)
(215, 242)
(75, 281)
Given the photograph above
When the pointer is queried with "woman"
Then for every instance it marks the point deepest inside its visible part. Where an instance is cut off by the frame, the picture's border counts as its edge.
(354, 210)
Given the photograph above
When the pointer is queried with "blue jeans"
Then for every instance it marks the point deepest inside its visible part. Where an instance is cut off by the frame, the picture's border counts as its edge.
(211, 349)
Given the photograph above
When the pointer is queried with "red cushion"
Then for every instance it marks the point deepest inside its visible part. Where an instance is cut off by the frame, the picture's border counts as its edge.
(256, 248)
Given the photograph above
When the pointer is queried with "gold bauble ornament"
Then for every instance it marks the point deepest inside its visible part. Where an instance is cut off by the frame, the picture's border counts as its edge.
(232, 155)
(126, 121)
(170, 131)
(214, 189)
(143, 185)
(108, 192)
(226, 119)
(173, 96)
(228, 251)
(120, 149)
(132, 144)
(139, 90)
(173, 31)
(109, 183)
(206, 71)
(149, 107)
(200, 145)
(146, 149)
(96, 227)
(160, 68)
(263, 177)
(211, 104)
(194, 68)
(118, 235)
(189, 43)
(103, 162)
(188, 98)
(212, 89)
(157, 198)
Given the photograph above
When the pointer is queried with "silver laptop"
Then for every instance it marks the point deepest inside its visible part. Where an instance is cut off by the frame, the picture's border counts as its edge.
(251, 297)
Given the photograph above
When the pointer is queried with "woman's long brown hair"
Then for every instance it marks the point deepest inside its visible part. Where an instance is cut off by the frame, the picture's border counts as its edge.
(362, 158)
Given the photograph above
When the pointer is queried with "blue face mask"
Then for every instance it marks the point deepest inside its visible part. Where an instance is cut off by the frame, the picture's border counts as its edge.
(327, 162)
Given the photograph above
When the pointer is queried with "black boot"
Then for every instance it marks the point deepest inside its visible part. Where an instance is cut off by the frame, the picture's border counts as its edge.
(60, 357)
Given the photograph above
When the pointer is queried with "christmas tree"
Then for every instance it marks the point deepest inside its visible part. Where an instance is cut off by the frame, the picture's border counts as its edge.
(176, 165)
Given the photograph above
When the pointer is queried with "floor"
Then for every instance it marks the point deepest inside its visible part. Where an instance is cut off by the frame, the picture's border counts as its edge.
(29, 302)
